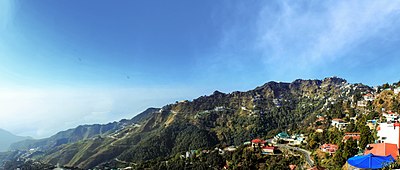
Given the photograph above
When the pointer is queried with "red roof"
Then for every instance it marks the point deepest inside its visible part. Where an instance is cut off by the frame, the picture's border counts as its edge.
(390, 112)
(339, 120)
(352, 135)
(269, 147)
(257, 141)
(383, 149)
(345, 138)
(329, 147)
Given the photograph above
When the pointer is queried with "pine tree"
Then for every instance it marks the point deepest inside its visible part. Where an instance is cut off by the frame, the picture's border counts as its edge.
(366, 136)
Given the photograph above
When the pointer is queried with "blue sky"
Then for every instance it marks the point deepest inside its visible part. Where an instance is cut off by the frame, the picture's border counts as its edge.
(65, 63)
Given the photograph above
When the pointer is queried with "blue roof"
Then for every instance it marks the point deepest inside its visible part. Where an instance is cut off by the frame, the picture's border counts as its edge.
(370, 161)
(283, 135)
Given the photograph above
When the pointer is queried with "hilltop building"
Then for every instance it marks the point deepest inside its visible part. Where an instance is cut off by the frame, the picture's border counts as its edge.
(396, 90)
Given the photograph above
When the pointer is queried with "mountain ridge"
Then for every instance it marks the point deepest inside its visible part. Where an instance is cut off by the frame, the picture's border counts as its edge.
(220, 119)
(7, 138)
(80, 132)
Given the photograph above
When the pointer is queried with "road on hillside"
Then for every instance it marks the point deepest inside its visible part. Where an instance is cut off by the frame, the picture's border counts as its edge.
(306, 153)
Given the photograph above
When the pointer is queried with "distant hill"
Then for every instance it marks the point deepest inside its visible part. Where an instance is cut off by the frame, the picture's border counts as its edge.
(81, 132)
(7, 138)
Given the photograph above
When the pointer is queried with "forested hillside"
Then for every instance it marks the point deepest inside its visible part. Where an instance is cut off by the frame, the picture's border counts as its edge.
(217, 120)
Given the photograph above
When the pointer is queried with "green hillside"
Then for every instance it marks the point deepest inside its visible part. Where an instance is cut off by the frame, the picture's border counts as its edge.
(217, 120)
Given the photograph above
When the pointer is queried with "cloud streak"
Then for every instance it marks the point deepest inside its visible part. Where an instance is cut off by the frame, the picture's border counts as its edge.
(302, 36)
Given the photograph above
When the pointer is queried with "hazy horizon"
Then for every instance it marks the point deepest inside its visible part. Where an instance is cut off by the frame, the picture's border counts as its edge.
(66, 63)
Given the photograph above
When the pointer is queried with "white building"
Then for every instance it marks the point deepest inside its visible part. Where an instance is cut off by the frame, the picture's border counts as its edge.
(375, 88)
(390, 116)
(339, 123)
(369, 97)
(397, 90)
(230, 149)
(296, 141)
(219, 108)
(389, 133)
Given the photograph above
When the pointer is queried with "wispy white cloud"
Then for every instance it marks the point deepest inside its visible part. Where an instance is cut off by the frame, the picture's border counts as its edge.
(6, 10)
(302, 36)
(43, 112)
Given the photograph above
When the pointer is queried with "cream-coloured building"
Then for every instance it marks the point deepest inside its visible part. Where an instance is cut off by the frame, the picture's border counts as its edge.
(389, 133)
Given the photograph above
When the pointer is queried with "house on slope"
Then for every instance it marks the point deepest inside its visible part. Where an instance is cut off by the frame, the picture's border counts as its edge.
(339, 123)
(390, 116)
(329, 148)
(268, 149)
(297, 139)
(351, 135)
(282, 135)
(258, 143)
(369, 97)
